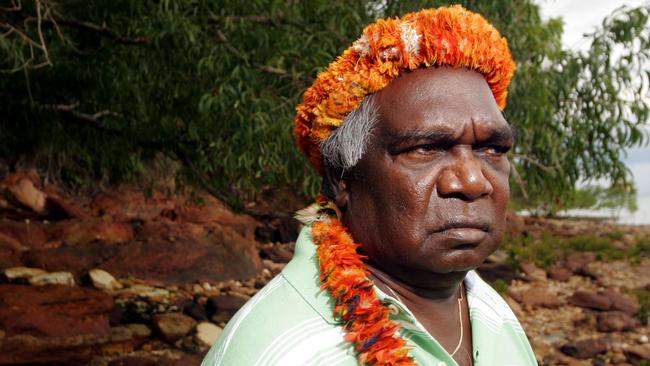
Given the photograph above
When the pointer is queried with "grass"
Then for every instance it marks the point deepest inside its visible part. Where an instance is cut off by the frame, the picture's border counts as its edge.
(548, 249)
(499, 285)
(643, 296)
(642, 247)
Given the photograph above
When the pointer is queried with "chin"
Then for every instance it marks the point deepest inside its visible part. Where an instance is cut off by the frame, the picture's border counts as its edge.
(460, 261)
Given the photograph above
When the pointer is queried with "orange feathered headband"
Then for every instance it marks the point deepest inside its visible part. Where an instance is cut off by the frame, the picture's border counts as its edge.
(451, 36)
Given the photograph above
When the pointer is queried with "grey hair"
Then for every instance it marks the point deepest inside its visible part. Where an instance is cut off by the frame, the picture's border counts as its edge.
(346, 145)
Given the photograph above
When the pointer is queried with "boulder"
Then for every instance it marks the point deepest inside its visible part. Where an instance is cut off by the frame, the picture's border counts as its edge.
(59, 206)
(120, 341)
(173, 326)
(207, 333)
(193, 309)
(622, 302)
(558, 273)
(616, 321)
(577, 260)
(585, 271)
(584, 349)
(14, 274)
(638, 353)
(139, 331)
(537, 297)
(145, 291)
(532, 272)
(53, 278)
(590, 300)
(491, 272)
(276, 253)
(103, 280)
(222, 308)
(24, 192)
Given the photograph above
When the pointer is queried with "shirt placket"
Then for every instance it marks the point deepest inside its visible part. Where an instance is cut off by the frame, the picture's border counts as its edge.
(403, 316)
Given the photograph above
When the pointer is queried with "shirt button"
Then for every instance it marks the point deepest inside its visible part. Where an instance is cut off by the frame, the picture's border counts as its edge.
(393, 309)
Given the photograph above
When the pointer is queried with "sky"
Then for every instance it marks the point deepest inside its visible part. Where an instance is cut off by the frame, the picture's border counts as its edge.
(583, 16)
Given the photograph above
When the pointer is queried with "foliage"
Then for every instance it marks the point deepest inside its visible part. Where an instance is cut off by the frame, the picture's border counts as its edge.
(95, 90)
(643, 296)
(595, 108)
(594, 197)
(548, 249)
(642, 247)
(597, 197)
(500, 285)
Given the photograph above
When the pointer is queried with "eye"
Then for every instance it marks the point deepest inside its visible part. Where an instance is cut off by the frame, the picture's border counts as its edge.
(495, 150)
(424, 149)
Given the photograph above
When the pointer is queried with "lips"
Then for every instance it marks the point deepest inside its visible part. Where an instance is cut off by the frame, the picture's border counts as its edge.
(464, 233)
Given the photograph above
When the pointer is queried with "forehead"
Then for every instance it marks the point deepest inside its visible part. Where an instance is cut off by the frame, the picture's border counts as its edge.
(447, 99)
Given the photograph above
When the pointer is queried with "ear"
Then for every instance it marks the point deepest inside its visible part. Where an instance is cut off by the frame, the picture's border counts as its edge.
(339, 186)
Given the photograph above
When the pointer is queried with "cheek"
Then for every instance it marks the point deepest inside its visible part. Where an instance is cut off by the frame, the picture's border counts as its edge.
(500, 198)
(499, 175)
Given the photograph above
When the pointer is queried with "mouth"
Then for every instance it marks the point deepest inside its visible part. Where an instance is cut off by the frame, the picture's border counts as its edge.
(464, 235)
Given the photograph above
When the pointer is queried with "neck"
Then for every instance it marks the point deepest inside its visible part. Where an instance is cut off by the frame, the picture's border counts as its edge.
(444, 289)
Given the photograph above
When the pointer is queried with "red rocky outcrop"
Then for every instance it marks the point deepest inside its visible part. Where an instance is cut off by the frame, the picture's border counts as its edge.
(219, 255)
(52, 324)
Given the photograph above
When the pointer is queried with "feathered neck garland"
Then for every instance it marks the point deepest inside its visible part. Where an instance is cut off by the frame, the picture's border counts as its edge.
(344, 275)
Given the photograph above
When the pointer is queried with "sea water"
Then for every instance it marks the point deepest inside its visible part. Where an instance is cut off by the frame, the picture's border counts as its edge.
(619, 215)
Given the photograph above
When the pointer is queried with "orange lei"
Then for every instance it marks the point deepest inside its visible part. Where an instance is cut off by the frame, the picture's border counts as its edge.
(344, 275)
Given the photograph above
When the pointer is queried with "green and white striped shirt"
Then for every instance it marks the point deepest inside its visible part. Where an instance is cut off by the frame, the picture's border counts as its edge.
(289, 322)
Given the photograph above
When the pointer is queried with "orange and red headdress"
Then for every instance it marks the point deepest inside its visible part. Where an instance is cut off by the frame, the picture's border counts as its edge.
(448, 36)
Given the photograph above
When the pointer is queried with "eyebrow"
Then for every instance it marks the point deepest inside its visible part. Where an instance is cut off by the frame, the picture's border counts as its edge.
(419, 136)
(506, 133)
(502, 134)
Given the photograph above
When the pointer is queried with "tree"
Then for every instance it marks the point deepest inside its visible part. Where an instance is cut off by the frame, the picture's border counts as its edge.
(95, 90)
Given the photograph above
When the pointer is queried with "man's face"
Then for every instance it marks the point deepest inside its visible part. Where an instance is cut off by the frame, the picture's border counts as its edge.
(430, 193)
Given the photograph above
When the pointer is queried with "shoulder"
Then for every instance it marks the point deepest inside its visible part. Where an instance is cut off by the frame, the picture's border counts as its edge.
(276, 327)
(499, 335)
(485, 301)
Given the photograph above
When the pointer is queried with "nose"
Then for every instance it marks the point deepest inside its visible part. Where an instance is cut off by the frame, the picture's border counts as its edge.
(463, 178)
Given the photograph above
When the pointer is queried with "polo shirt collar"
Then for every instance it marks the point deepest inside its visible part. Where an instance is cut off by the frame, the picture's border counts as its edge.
(303, 274)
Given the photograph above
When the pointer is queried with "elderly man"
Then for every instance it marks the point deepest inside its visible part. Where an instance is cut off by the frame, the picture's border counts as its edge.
(407, 131)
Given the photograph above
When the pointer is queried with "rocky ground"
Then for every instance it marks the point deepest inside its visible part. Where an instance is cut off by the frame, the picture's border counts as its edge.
(125, 278)
(590, 305)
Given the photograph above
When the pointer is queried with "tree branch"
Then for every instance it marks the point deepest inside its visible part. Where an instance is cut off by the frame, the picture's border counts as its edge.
(273, 70)
(15, 6)
(259, 19)
(104, 31)
(86, 117)
(534, 161)
(39, 30)
(519, 180)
